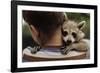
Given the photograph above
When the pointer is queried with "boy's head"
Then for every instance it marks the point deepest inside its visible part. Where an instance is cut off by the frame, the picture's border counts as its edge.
(72, 31)
(43, 25)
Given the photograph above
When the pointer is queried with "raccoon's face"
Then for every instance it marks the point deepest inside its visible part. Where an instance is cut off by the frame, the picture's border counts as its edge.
(71, 31)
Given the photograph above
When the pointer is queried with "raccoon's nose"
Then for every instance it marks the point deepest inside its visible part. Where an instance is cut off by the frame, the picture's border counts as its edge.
(69, 41)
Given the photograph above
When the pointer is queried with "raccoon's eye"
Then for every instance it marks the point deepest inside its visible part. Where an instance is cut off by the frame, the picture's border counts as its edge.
(74, 34)
(64, 33)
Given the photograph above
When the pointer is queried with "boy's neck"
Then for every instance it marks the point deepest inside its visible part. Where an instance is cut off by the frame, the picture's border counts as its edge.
(55, 41)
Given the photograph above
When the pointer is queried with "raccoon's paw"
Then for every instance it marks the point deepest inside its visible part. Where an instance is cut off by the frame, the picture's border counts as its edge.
(65, 51)
(35, 49)
(84, 49)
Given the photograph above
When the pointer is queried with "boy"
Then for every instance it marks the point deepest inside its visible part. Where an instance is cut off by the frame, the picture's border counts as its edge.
(45, 28)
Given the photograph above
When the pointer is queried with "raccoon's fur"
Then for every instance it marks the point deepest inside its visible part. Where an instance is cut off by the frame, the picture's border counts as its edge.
(73, 37)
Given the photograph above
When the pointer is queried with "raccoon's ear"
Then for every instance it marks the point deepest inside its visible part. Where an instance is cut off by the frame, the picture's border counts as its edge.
(81, 24)
(65, 17)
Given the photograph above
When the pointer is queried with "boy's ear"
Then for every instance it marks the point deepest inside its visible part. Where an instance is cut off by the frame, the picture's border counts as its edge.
(34, 33)
(33, 30)
(81, 24)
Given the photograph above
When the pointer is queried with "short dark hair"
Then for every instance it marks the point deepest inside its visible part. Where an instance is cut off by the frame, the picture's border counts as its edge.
(45, 22)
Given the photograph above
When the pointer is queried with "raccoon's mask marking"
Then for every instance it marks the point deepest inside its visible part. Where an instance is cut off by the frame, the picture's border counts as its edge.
(72, 31)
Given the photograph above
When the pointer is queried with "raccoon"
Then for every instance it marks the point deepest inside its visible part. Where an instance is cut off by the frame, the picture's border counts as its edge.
(73, 37)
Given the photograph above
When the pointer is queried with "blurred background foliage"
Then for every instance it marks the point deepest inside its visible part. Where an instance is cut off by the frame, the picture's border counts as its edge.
(78, 17)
